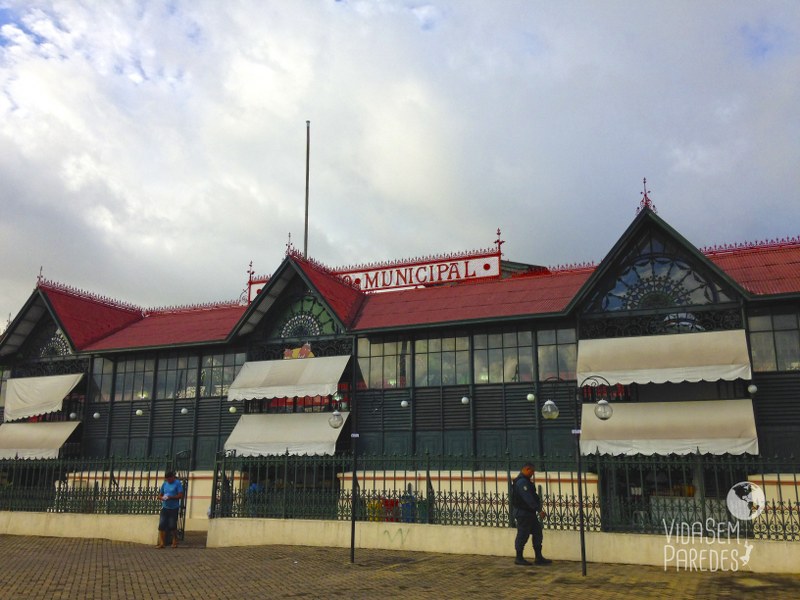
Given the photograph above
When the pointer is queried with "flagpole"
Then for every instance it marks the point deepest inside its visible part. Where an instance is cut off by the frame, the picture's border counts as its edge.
(308, 150)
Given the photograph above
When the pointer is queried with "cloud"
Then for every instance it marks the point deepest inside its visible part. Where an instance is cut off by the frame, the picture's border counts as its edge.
(149, 151)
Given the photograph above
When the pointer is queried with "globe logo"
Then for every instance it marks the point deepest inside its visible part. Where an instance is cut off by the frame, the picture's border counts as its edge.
(746, 501)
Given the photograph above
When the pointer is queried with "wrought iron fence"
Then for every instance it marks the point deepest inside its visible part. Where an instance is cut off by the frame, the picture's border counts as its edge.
(621, 494)
(98, 486)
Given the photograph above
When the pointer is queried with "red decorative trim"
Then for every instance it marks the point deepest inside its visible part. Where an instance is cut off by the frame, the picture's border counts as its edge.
(55, 286)
(646, 202)
(318, 266)
(192, 307)
(573, 267)
(787, 242)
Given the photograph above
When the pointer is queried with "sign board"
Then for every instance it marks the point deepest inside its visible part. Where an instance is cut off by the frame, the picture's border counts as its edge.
(424, 273)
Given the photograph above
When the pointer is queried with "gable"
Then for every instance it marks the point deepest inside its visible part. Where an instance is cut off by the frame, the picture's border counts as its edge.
(58, 320)
(301, 301)
(657, 273)
(84, 318)
(652, 268)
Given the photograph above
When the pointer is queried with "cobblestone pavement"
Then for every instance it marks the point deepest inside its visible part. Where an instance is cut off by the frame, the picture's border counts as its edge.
(58, 568)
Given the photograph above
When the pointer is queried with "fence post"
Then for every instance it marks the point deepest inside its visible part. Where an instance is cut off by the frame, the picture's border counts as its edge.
(285, 481)
(702, 477)
(511, 521)
(430, 494)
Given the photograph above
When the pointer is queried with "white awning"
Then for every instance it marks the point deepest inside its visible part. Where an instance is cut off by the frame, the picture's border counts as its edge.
(31, 396)
(34, 440)
(706, 356)
(297, 433)
(288, 378)
(704, 426)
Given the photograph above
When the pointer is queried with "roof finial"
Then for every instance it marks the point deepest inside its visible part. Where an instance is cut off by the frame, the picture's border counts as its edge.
(499, 242)
(646, 202)
(40, 277)
(289, 247)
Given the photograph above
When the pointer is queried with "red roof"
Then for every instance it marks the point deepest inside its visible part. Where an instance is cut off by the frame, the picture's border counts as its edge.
(344, 299)
(762, 269)
(95, 323)
(513, 297)
(86, 318)
(186, 326)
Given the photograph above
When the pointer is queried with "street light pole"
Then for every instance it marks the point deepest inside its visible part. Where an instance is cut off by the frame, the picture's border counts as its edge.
(602, 411)
(336, 421)
(581, 527)
(355, 495)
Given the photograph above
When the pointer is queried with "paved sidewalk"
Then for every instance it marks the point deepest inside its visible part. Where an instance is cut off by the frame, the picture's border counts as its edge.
(74, 569)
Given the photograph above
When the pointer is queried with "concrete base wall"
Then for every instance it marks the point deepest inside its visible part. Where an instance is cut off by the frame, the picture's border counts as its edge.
(139, 529)
(677, 553)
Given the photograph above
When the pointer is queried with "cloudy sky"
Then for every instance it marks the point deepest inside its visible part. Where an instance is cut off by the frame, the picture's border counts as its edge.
(149, 150)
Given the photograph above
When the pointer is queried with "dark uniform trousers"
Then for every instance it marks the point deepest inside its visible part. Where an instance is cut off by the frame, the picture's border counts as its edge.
(528, 525)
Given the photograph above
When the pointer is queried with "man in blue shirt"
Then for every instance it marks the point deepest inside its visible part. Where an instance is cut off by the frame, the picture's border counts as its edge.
(170, 494)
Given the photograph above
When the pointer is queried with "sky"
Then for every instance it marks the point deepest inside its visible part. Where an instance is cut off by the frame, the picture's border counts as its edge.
(150, 150)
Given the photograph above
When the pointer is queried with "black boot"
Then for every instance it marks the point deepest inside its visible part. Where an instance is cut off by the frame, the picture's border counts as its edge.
(521, 561)
(540, 559)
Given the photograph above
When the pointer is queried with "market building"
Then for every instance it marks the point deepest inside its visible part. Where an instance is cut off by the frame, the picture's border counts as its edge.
(697, 351)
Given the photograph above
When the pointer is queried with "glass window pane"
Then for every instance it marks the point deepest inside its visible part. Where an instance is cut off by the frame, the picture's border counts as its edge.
(567, 360)
(420, 345)
(565, 336)
(509, 339)
(479, 341)
(435, 369)
(363, 365)
(390, 371)
(389, 348)
(481, 365)
(421, 370)
(404, 370)
(763, 351)
(448, 344)
(462, 368)
(448, 368)
(462, 343)
(546, 336)
(376, 349)
(548, 362)
(495, 340)
(526, 364)
(524, 338)
(496, 365)
(434, 345)
(510, 365)
(168, 389)
(376, 373)
(127, 387)
(759, 322)
(784, 321)
(788, 349)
